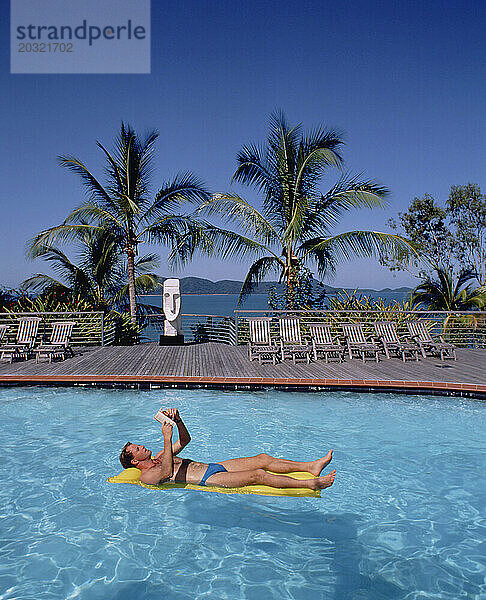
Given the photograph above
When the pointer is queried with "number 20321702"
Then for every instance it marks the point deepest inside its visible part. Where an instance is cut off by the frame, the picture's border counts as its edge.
(45, 47)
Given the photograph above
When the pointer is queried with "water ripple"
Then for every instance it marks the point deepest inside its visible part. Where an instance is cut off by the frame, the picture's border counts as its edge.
(406, 518)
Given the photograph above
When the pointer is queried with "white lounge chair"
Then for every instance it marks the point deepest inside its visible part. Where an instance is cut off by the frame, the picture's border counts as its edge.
(3, 332)
(292, 345)
(357, 342)
(58, 346)
(323, 343)
(260, 344)
(386, 333)
(420, 332)
(25, 340)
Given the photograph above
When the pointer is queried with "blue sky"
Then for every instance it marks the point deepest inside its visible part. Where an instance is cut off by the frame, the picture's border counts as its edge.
(405, 81)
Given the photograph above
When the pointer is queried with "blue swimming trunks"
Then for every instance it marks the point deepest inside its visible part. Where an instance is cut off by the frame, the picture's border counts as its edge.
(211, 470)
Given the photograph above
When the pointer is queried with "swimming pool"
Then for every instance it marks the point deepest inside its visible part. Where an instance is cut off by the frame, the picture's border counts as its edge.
(405, 519)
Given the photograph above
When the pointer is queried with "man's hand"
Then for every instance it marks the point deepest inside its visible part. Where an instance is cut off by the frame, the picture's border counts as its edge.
(172, 413)
(166, 430)
(184, 437)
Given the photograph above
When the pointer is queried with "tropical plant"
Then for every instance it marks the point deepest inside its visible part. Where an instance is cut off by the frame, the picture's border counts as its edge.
(201, 331)
(100, 277)
(126, 332)
(125, 205)
(450, 294)
(355, 307)
(293, 228)
(8, 297)
(50, 301)
(57, 300)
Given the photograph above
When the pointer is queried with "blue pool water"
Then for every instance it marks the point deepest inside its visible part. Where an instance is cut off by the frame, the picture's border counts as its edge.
(405, 518)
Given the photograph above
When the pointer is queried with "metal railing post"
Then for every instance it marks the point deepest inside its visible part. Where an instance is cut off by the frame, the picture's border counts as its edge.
(236, 329)
(102, 329)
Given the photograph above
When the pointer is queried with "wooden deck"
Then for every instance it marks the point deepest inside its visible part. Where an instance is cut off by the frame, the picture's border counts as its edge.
(216, 365)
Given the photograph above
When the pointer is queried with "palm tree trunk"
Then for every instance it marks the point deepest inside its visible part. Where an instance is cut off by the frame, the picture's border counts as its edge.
(292, 266)
(131, 284)
(290, 292)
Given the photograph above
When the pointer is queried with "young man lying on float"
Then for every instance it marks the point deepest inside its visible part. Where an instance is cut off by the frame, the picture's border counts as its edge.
(167, 467)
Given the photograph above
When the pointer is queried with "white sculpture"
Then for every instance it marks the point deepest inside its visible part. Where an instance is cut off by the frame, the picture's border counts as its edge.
(171, 298)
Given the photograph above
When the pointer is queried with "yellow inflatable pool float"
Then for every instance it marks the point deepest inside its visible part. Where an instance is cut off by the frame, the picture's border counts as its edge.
(132, 476)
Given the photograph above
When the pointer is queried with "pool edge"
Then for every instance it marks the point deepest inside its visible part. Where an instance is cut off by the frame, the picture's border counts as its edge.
(248, 383)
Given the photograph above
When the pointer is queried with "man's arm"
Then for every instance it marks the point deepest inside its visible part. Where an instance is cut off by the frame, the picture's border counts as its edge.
(164, 466)
(184, 436)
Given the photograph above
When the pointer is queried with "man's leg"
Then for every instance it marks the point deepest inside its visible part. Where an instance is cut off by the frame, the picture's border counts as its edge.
(261, 477)
(277, 465)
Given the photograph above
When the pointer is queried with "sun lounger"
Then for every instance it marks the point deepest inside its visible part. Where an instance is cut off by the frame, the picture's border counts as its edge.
(25, 340)
(420, 332)
(58, 346)
(292, 345)
(260, 344)
(357, 342)
(386, 333)
(3, 332)
(324, 344)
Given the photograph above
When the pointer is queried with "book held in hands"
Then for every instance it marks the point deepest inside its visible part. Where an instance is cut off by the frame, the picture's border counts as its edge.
(163, 418)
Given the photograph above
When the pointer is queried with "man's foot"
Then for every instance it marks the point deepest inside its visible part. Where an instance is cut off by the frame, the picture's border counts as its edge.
(323, 482)
(321, 463)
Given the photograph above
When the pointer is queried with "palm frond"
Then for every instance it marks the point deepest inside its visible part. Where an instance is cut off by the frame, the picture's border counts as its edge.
(41, 282)
(146, 282)
(94, 188)
(321, 255)
(234, 209)
(318, 150)
(349, 193)
(251, 169)
(75, 277)
(209, 240)
(449, 293)
(89, 213)
(101, 255)
(62, 234)
(184, 187)
(297, 218)
(168, 230)
(147, 262)
(257, 272)
(364, 244)
(114, 172)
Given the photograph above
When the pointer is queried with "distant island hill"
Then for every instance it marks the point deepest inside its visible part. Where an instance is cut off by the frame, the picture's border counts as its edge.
(198, 285)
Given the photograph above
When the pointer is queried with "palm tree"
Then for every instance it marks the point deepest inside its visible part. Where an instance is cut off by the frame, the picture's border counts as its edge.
(125, 206)
(293, 227)
(450, 294)
(100, 275)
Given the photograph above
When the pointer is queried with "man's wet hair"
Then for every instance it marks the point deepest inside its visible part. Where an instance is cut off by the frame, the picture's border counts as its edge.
(126, 456)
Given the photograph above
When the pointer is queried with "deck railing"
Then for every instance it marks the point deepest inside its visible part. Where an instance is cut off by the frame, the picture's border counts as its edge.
(196, 328)
(463, 328)
(91, 328)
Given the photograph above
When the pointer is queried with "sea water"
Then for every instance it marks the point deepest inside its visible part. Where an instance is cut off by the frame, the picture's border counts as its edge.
(405, 518)
(226, 304)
